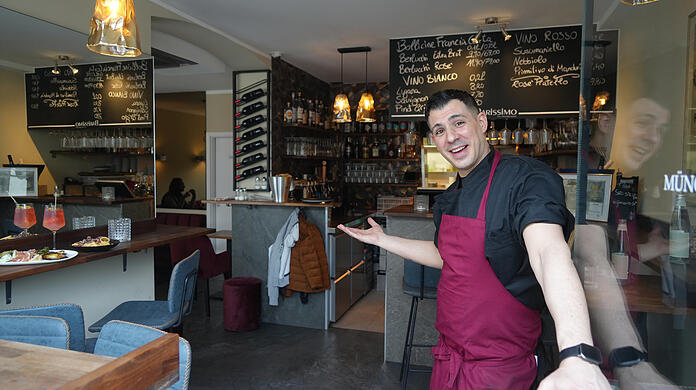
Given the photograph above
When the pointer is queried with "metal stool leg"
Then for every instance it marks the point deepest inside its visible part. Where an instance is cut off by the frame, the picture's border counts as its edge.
(408, 334)
(410, 345)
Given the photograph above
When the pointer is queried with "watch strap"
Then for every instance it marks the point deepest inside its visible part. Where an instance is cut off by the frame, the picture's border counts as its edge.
(584, 351)
(626, 357)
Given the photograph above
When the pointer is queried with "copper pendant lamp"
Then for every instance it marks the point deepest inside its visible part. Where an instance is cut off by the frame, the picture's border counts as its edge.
(113, 30)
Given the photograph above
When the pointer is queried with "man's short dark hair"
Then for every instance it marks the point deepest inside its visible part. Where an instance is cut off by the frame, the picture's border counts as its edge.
(440, 99)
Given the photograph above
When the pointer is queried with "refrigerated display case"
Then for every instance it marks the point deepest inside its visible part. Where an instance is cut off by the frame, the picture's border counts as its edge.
(436, 172)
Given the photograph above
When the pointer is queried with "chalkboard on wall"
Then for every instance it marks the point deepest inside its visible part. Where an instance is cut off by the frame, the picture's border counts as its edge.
(536, 72)
(105, 94)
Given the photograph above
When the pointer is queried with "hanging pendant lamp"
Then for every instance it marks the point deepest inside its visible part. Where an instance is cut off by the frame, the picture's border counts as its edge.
(366, 107)
(112, 29)
(341, 108)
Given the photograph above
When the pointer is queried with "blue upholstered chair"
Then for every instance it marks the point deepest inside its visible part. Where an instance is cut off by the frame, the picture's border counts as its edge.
(161, 314)
(420, 282)
(117, 338)
(46, 331)
(71, 313)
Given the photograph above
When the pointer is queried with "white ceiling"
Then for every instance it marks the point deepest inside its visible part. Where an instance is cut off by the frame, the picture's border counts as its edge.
(226, 35)
(308, 32)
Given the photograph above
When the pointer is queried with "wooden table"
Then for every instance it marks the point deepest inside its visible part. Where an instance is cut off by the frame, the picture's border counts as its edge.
(28, 366)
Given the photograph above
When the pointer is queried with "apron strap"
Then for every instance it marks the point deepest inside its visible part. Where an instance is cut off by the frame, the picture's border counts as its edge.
(482, 207)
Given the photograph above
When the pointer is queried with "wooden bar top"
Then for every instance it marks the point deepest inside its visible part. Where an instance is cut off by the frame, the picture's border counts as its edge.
(89, 200)
(644, 295)
(29, 366)
(272, 203)
(222, 234)
(406, 210)
(160, 235)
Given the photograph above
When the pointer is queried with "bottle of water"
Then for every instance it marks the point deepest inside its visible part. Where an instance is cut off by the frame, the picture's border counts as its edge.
(620, 258)
(679, 232)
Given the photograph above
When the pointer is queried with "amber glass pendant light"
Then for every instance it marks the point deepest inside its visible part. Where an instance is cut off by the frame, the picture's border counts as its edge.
(366, 107)
(341, 108)
(112, 29)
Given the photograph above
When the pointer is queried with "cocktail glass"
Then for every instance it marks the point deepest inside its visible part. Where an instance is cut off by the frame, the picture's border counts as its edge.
(24, 217)
(53, 219)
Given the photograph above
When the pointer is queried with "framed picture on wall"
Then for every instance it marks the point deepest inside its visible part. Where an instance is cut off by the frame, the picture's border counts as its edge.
(598, 194)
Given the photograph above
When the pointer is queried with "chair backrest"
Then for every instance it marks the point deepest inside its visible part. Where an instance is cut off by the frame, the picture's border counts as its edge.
(71, 313)
(46, 331)
(182, 286)
(420, 276)
(117, 338)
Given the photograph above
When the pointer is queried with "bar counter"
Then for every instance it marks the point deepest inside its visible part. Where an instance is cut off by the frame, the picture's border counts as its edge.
(97, 281)
(272, 203)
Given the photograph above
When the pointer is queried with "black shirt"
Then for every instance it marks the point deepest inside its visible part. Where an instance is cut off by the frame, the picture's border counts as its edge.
(523, 191)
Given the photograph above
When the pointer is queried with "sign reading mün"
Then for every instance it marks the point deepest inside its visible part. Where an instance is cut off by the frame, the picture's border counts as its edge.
(104, 94)
(536, 72)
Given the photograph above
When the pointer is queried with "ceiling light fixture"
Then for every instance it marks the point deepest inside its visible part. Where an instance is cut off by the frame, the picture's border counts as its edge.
(112, 29)
(341, 107)
(366, 107)
(491, 23)
(477, 37)
(55, 67)
(638, 2)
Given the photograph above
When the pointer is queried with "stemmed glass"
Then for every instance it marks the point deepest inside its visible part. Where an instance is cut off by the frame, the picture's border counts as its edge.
(53, 219)
(24, 217)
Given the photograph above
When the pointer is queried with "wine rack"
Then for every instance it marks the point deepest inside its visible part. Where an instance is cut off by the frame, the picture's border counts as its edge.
(252, 127)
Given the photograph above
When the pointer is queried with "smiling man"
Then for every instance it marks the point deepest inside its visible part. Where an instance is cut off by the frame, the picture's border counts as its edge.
(501, 243)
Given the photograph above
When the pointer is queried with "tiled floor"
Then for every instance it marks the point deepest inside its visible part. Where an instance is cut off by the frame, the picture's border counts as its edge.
(284, 357)
(367, 314)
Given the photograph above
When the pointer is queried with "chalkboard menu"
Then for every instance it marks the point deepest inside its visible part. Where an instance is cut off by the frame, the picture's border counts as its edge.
(625, 197)
(106, 94)
(536, 72)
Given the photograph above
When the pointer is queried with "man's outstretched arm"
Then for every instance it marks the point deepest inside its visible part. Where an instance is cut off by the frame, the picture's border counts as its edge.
(550, 259)
(419, 251)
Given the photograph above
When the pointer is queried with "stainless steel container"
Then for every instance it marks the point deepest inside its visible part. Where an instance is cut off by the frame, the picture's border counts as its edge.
(281, 188)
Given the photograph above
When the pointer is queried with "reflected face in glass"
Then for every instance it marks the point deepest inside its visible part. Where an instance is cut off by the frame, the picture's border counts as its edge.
(646, 126)
(459, 135)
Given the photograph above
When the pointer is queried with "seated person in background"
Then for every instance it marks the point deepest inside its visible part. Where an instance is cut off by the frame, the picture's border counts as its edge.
(175, 198)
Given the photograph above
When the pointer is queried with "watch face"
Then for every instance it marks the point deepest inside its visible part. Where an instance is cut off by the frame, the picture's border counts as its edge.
(627, 356)
(590, 353)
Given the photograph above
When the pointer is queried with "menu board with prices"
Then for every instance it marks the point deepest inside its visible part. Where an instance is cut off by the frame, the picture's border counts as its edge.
(106, 94)
(536, 72)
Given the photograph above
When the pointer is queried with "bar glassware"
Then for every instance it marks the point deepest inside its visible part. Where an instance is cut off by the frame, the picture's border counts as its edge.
(53, 219)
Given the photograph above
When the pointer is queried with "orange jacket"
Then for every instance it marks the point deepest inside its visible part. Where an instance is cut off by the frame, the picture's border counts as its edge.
(309, 270)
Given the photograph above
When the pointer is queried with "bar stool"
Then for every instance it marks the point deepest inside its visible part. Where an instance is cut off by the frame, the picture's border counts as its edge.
(242, 304)
(420, 282)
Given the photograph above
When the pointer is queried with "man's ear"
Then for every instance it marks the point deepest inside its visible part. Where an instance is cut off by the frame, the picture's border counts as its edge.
(483, 121)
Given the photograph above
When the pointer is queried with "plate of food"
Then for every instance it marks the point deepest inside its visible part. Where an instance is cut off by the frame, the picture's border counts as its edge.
(95, 244)
(35, 256)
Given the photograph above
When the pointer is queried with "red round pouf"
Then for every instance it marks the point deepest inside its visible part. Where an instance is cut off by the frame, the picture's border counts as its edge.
(242, 304)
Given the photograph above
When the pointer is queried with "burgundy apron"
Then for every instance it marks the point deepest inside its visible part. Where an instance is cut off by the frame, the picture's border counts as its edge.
(487, 337)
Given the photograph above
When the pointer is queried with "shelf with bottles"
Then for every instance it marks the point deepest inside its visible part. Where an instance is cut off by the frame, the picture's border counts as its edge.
(311, 157)
(308, 127)
(306, 113)
(384, 159)
(54, 153)
(536, 137)
(407, 185)
(311, 147)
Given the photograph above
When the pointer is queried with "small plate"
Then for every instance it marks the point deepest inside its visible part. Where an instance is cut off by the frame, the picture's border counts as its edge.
(68, 252)
(102, 248)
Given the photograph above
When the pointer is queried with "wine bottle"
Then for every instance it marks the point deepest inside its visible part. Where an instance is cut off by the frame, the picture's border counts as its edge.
(250, 172)
(250, 109)
(251, 134)
(250, 147)
(679, 232)
(250, 122)
(310, 112)
(294, 108)
(249, 96)
(250, 160)
(300, 108)
(348, 151)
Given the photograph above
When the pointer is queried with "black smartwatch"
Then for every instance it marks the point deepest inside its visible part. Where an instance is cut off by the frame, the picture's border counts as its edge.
(586, 352)
(626, 357)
